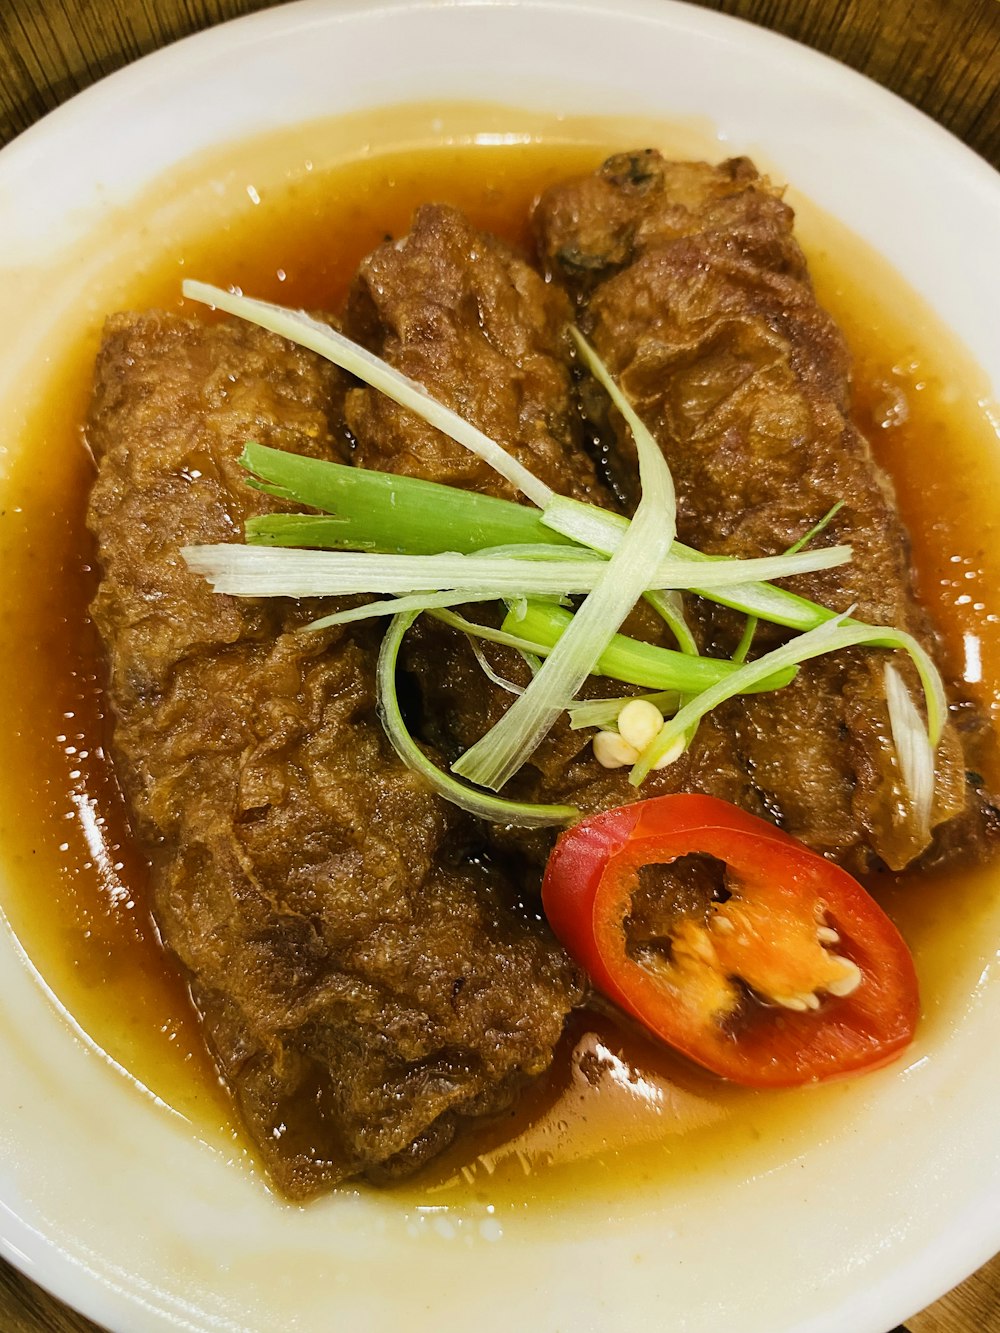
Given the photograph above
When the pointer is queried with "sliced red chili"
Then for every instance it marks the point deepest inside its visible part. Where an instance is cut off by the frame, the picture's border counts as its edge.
(797, 975)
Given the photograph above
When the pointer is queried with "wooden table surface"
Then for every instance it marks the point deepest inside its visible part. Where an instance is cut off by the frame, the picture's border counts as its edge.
(942, 55)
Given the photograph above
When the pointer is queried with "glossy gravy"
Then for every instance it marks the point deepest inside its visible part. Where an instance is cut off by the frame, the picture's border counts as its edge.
(78, 898)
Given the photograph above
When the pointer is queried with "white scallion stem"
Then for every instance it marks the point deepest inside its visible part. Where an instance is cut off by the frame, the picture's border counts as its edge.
(669, 605)
(488, 671)
(913, 748)
(286, 571)
(281, 571)
(528, 647)
(392, 606)
(603, 532)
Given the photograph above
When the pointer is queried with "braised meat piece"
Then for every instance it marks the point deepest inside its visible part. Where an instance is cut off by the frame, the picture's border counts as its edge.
(365, 983)
(466, 317)
(690, 283)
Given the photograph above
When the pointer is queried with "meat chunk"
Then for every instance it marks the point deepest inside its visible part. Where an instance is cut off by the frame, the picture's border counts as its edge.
(689, 281)
(365, 983)
(461, 313)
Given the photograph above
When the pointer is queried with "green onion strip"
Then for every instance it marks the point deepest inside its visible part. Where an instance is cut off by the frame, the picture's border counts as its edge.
(836, 634)
(265, 571)
(280, 571)
(913, 748)
(750, 629)
(669, 605)
(487, 669)
(498, 755)
(479, 803)
(394, 514)
(394, 606)
(628, 660)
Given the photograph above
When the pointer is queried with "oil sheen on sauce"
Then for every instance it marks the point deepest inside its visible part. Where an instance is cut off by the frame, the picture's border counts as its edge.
(614, 1109)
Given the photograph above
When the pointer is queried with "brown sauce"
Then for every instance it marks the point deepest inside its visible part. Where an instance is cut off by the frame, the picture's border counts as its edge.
(78, 897)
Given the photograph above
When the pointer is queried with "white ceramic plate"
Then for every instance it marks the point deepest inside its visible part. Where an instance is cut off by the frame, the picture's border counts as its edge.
(109, 1200)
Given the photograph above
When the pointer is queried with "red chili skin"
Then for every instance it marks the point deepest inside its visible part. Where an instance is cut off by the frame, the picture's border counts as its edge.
(589, 882)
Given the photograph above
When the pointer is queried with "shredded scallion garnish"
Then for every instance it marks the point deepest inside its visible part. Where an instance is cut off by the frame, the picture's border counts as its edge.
(631, 660)
(628, 573)
(431, 547)
(524, 814)
(384, 512)
(913, 749)
(281, 571)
